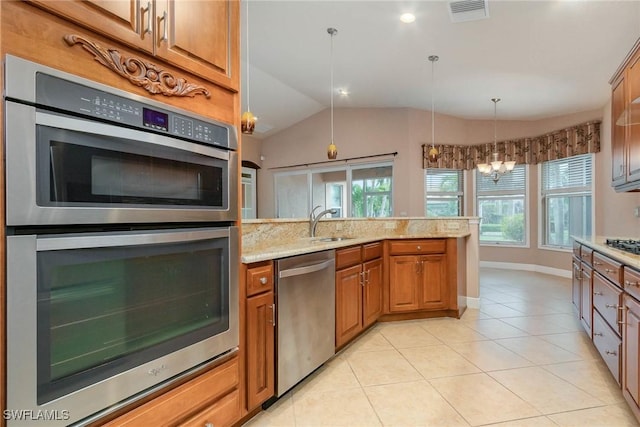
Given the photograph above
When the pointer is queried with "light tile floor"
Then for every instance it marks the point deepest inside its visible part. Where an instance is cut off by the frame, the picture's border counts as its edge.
(522, 359)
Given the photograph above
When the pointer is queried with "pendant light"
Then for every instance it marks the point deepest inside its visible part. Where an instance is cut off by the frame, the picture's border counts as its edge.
(332, 150)
(433, 151)
(497, 167)
(248, 120)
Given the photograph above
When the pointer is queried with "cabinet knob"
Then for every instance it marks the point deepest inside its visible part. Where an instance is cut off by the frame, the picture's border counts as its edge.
(263, 280)
(611, 352)
(628, 283)
(597, 263)
(609, 271)
(598, 293)
(597, 334)
(419, 247)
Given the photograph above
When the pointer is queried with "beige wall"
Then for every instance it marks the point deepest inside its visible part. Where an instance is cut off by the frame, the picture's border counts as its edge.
(362, 132)
(251, 149)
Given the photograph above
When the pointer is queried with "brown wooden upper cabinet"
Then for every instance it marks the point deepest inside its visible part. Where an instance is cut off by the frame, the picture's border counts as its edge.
(201, 37)
(625, 124)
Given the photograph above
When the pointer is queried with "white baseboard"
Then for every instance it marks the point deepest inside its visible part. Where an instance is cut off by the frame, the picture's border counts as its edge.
(473, 302)
(527, 267)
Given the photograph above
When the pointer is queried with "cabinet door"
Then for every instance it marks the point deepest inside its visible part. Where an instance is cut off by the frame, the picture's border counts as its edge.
(633, 136)
(586, 297)
(434, 289)
(372, 296)
(201, 37)
(403, 283)
(576, 286)
(618, 133)
(631, 359)
(348, 303)
(128, 21)
(260, 349)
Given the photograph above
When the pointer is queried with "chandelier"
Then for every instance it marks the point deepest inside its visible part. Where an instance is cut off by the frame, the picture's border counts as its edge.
(497, 167)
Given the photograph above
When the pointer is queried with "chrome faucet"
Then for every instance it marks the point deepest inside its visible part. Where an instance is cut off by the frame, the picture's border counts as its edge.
(313, 219)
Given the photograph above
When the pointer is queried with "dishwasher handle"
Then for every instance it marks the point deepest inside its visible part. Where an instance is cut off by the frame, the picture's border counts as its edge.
(299, 271)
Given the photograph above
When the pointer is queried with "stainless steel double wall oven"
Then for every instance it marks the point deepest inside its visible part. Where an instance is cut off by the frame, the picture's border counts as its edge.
(121, 246)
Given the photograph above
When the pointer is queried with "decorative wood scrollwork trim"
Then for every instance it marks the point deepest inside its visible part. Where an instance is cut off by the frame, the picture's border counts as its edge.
(140, 73)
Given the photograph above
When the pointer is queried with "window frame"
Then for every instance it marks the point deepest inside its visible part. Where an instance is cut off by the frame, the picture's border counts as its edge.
(542, 207)
(348, 168)
(459, 194)
(527, 218)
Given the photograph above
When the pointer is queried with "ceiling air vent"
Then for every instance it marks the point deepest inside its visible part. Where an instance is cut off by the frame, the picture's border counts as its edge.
(468, 10)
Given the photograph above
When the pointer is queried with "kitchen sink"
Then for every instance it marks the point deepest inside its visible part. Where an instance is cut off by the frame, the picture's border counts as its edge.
(329, 239)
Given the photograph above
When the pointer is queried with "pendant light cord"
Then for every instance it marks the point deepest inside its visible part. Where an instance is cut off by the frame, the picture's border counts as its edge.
(433, 114)
(332, 32)
(495, 123)
(248, 98)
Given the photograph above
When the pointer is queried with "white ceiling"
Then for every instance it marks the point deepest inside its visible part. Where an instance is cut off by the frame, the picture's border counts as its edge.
(542, 58)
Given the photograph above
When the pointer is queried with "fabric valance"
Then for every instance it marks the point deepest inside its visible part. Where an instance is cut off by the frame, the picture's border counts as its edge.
(580, 139)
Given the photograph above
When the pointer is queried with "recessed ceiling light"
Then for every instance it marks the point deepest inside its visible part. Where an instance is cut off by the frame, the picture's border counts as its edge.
(343, 92)
(407, 18)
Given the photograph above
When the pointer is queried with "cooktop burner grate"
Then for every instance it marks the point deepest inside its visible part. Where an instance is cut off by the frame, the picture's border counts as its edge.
(632, 246)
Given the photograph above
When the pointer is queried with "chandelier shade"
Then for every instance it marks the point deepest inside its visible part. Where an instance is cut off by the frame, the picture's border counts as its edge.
(496, 168)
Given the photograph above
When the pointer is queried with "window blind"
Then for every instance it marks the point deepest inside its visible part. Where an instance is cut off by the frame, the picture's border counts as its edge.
(444, 181)
(568, 174)
(510, 183)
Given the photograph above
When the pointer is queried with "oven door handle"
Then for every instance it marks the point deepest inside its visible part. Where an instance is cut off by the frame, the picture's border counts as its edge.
(53, 243)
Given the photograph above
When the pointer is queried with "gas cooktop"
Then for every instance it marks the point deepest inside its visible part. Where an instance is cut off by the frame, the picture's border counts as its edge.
(632, 246)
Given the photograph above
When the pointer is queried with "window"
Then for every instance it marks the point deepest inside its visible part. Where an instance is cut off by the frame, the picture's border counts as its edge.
(502, 207)
(371, 192)
(363, 190)
(566, 194)
(444, 192)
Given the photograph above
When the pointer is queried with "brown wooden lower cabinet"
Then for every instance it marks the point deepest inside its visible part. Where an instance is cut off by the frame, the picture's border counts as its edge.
(358, 290)
(418, 276)
(260, 333)
(631, 354)
(212, 397)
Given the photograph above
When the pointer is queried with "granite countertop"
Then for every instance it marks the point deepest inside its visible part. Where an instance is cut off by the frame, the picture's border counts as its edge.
(599, 243)
(303, 245)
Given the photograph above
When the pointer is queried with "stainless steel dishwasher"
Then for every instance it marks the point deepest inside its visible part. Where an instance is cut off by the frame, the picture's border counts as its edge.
(305, 294)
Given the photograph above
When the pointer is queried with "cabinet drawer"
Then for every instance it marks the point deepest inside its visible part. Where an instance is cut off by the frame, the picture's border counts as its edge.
(631, 282)
(608, 344)
(586, 254)
(576, 249)
(431, 246)
(225, 412)
(348, 256)
(606, 299)
(609, 268)
(259, 278)
(371, 251)
(181, 402)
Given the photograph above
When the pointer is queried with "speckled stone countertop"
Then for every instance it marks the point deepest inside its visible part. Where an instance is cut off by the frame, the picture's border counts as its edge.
(599, 243)
(280, 238)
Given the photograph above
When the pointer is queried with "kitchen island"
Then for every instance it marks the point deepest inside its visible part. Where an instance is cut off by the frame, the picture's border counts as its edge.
(385, 269)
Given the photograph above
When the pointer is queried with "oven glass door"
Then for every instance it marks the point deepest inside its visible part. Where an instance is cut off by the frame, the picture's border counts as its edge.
(115, 301)
(82, 169)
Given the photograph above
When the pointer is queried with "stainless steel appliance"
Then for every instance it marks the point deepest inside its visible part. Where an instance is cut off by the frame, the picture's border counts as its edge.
(305, 293)
(93, 319)
(122, 254)
(627, 245)
(78, 152)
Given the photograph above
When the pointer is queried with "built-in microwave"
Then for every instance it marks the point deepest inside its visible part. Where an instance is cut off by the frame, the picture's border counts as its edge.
(78, 152)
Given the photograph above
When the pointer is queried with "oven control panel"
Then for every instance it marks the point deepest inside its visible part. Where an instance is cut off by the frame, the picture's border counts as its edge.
(71, 97)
